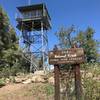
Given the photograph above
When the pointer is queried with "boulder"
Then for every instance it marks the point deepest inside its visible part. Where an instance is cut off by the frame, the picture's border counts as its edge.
(37, 79)
(51, 80)
(7, 80)
(27, 81)
(39, 73)
(34, 79)
(19, 79)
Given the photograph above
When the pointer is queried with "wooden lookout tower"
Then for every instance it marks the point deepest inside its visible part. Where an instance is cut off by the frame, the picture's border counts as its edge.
(34, 21)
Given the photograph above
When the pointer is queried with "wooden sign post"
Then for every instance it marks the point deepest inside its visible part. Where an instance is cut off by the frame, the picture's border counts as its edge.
(78, 86)
(57, 82)
(73, 56)
(56, 77)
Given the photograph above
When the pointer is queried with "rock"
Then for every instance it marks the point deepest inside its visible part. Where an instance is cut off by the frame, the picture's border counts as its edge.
(51, 80)
(27, 81)
(20, 74)
(29, 76)
(19, 79)
(34, 79)
(7, 80)
(38, 79)
(39, 76)
(39, 73)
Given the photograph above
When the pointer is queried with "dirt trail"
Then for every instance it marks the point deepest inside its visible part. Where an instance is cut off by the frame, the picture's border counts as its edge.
(10, 92)
(33, 91)
(10, 88)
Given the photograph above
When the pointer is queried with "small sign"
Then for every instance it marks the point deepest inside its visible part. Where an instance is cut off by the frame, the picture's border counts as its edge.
(68, 56)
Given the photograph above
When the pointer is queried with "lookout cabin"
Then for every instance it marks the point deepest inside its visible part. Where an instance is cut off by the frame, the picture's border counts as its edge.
(32, 16)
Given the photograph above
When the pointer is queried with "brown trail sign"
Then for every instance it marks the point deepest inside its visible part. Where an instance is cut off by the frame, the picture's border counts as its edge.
(73, 56)
(68, 56)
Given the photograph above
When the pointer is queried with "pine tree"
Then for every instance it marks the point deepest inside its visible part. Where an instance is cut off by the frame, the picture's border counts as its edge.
(8, 41)
(87, 41)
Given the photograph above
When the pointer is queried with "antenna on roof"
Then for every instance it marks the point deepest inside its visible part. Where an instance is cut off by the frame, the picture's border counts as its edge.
(29, 2)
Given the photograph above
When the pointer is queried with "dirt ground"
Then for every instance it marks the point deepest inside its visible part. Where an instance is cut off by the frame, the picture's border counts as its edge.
(33, 91)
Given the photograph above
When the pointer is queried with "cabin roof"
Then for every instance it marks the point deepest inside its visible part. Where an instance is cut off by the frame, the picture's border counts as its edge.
(30, 7)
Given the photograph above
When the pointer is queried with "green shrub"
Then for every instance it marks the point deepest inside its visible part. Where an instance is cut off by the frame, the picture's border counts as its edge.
(49, 89)
(2, 83)
(91, 82)
(5, 73)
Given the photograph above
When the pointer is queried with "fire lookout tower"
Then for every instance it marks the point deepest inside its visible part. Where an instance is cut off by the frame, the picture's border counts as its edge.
(34, 21)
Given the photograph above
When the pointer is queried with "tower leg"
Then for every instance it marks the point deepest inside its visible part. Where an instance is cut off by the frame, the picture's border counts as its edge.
(42, 36)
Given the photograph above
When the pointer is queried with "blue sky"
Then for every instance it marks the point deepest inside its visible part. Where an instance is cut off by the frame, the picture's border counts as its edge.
(81, 13)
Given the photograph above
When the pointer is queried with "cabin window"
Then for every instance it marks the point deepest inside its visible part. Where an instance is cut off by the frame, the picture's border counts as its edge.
(32, 14)
(38, 13)
(26, 15)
